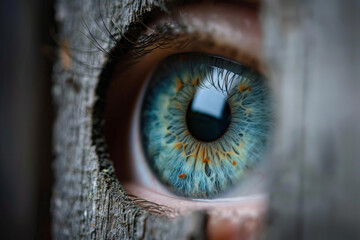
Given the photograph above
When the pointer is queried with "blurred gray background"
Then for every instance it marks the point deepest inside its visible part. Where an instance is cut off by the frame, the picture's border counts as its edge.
(27, 51)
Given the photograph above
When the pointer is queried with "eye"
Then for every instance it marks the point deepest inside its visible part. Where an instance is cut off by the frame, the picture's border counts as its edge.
(183, 73)
(205, 121)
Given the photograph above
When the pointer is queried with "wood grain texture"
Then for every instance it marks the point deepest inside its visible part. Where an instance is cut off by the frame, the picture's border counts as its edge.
(88, 201)
(313, 52)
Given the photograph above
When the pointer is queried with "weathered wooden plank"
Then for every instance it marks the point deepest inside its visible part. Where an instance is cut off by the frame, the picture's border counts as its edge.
(312, 50)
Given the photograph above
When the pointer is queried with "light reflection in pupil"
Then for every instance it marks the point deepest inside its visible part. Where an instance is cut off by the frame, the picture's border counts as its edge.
(204, 126)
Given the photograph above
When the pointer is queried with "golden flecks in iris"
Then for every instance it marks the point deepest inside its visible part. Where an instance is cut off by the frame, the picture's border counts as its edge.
(178, 145)
(178, 105)
(205, 160)
(200, 152)
(224, 155)
(195, 82)
(242, 87)
(169, 132)
(248, 110)
(203, 153)
(233, 163)
(240, 145)
(183, 175)
(179, 84)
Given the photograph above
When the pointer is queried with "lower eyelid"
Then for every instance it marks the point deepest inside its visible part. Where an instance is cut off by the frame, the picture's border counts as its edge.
(254, 205)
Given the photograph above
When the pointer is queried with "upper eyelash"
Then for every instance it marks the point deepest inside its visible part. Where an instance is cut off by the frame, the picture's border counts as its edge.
(133, 38)
(123, 41)
(163, 37)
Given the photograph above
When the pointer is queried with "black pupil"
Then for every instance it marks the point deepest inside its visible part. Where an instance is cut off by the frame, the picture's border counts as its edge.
(205, 127)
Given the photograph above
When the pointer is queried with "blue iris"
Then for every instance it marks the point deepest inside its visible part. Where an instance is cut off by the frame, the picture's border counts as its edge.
(205, 122)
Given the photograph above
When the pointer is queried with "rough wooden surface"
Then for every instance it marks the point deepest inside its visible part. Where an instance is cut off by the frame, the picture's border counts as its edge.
(313, 51)
(88, 202)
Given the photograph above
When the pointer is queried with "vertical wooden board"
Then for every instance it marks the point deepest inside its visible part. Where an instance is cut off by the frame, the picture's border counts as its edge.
(88, 202)
(312, 51)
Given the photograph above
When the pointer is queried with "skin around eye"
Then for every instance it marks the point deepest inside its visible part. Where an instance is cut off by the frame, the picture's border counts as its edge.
(221, 29)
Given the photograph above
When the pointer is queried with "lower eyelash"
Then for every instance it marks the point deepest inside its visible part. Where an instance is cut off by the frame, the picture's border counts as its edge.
(191, 167)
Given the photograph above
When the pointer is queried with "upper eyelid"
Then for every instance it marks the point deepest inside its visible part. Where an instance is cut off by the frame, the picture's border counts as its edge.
(140, 42)
(126, 39)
